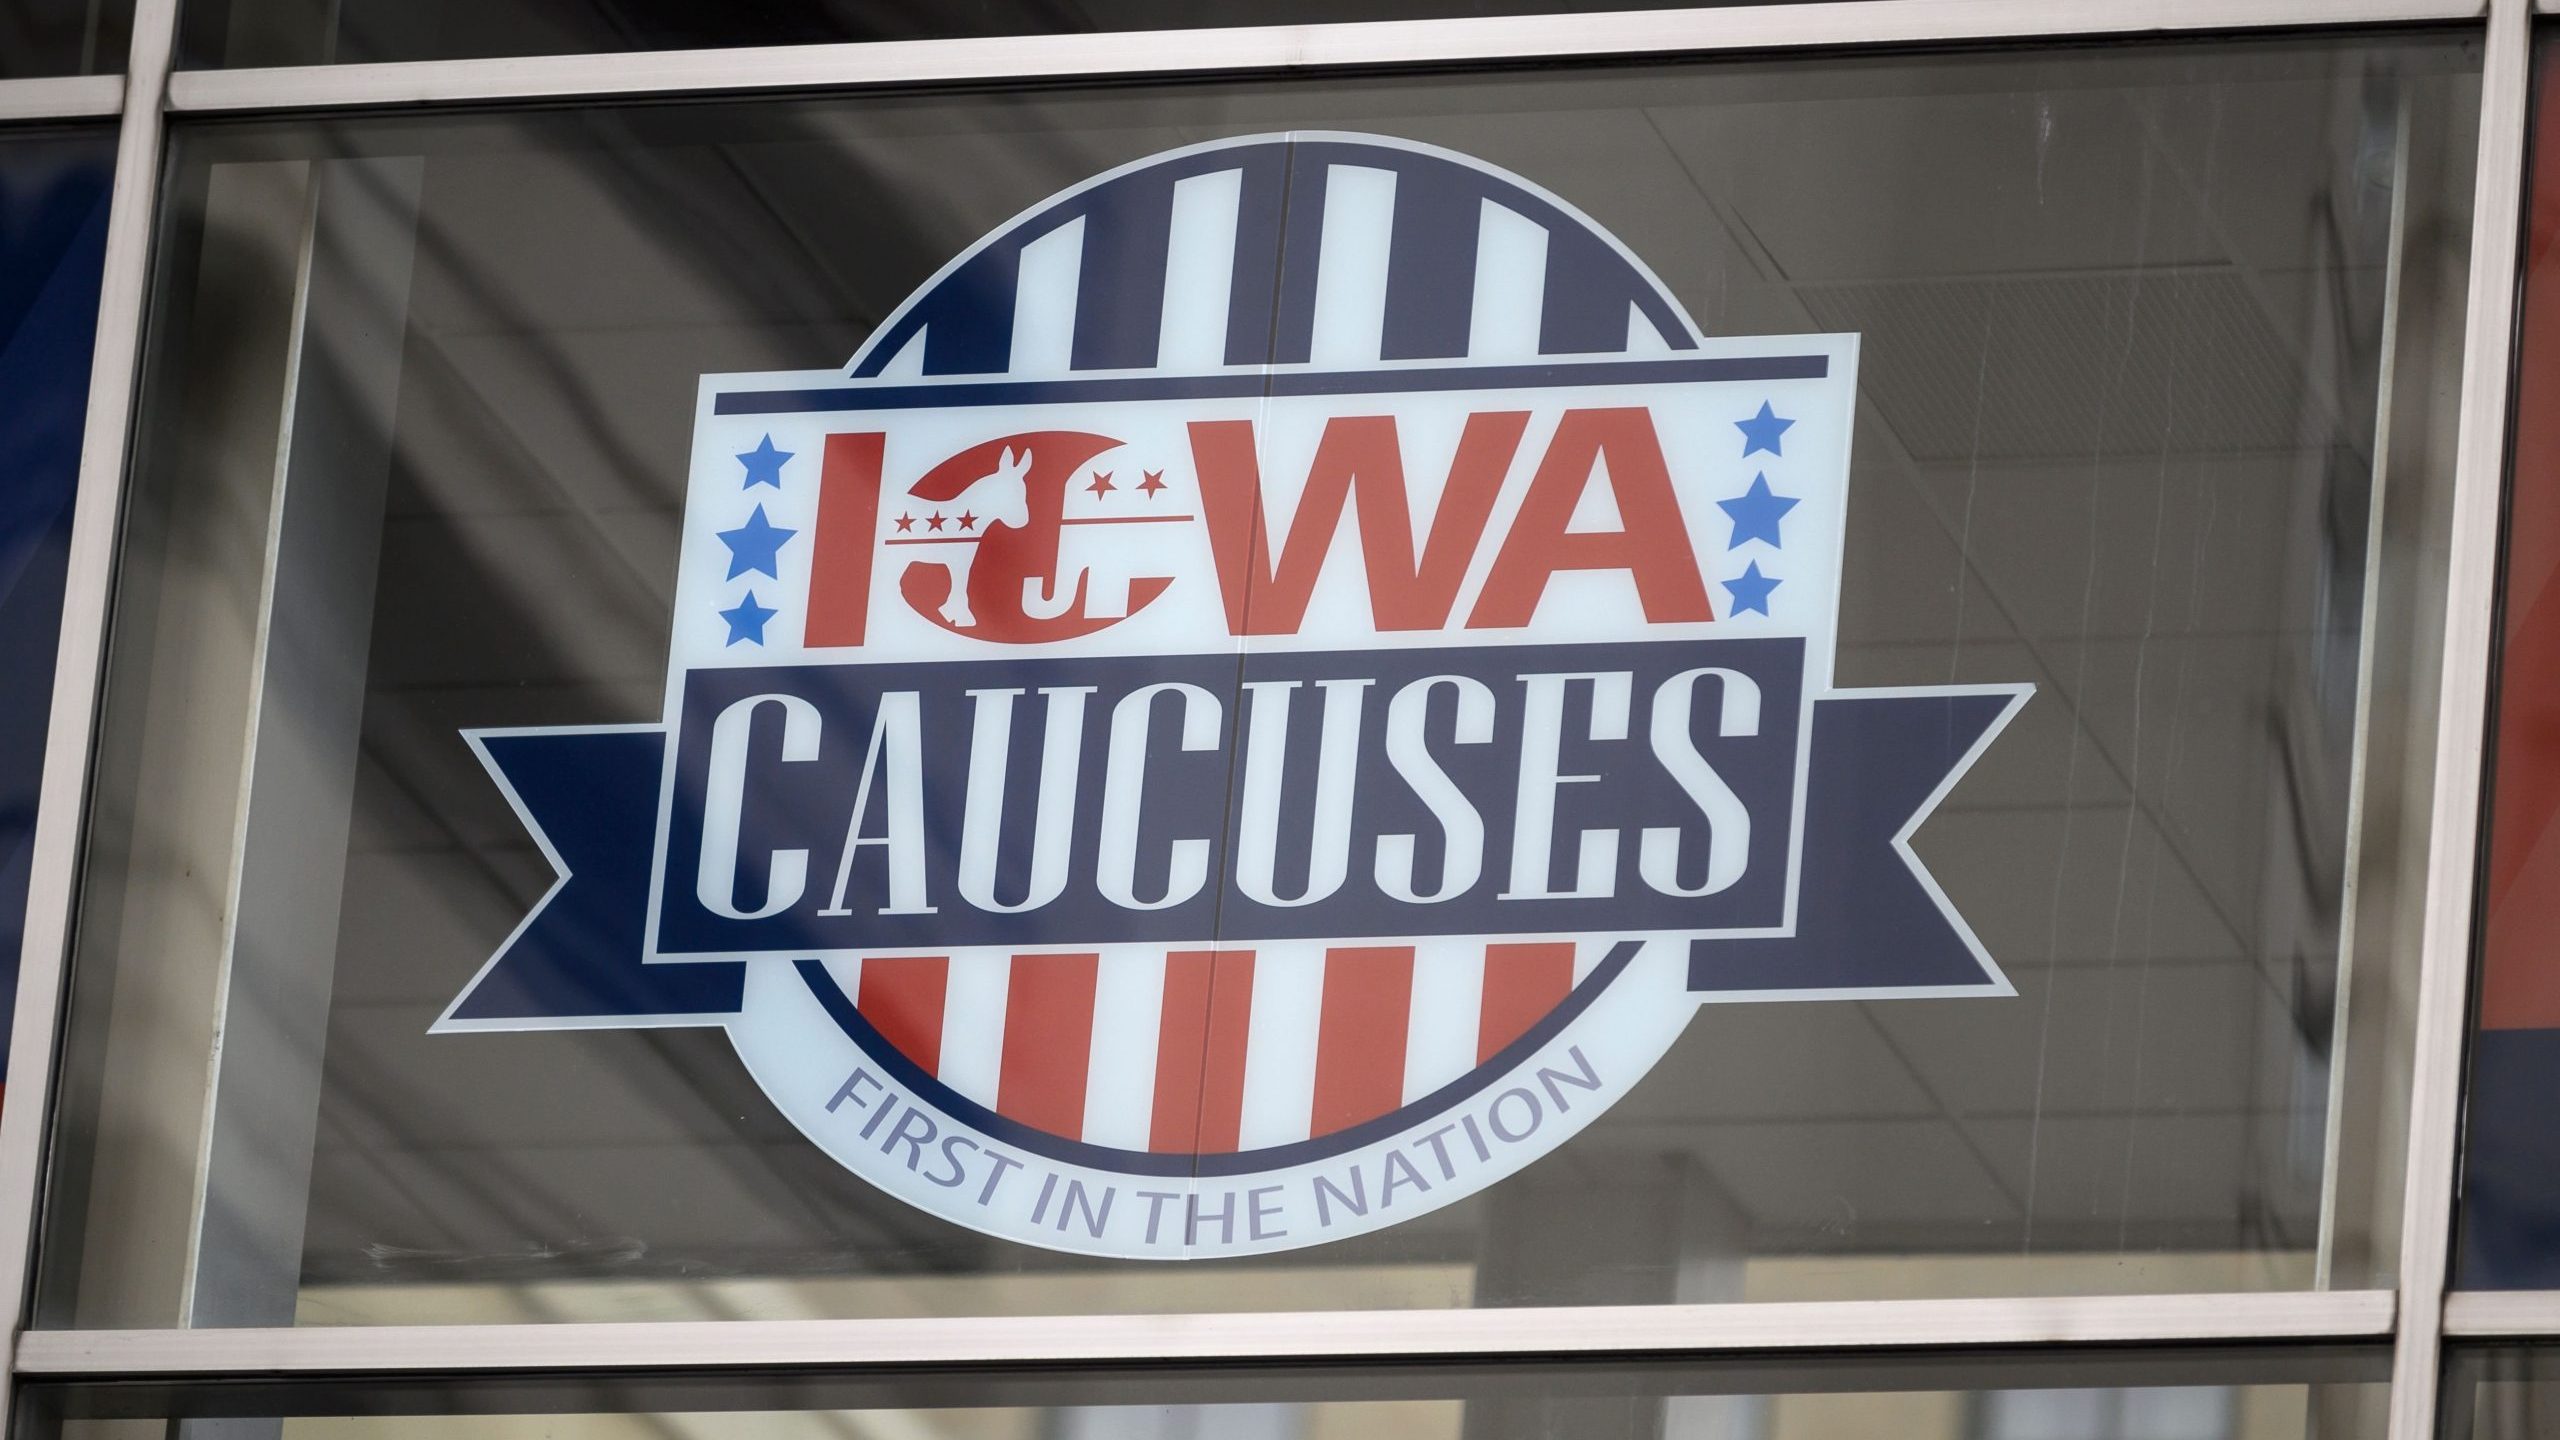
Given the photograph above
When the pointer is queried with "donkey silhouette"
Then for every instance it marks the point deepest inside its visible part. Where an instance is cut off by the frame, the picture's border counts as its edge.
(1003, 497)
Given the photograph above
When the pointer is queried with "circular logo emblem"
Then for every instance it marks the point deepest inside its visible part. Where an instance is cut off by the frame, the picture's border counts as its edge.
(1256, 706)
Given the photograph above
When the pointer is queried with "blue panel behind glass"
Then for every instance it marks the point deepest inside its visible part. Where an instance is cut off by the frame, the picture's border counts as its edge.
(53, 230)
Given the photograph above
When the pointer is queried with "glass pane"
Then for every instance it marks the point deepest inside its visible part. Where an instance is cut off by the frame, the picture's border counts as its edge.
(53, 235)
(2501, 1393)
(2511, 1187)
(217, 33)
(2190, 1397)
(1770, 456)
(63, 37)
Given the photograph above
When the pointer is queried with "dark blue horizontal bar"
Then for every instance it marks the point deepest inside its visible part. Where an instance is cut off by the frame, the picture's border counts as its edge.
(1228, 387)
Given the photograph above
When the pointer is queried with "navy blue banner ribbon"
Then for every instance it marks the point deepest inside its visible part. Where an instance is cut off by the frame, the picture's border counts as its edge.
(591, 798)
(1868, 917)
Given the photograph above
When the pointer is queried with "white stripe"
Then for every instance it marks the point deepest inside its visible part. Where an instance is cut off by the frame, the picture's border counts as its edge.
(1448, 1005)
(1280, 1044)
(973, 1022)
(847, 973)
(1587, 958)
(1642, 337)
(1128, 1019)
(1351, 269)
(1044, 302)
(1511, 285)
(908, 363)
(1199, 272)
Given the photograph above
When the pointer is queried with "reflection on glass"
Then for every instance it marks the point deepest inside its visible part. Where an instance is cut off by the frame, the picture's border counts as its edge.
(2501, 1393)
(2267, 1397)
(2192, 1412)
(63, 37)
(2219, 1413)
(425, 387)
(297, 32)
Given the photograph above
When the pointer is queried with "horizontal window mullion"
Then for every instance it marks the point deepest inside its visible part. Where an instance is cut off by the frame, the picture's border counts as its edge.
(2481, 1313)
(1442, 1335)
(61, 97)
(1244, 48)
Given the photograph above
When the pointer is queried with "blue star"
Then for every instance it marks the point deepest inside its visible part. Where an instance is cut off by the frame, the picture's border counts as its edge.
(746, 622)
(752, 545)
(764, 465)
(1751, 592)
(1761, 431)
(1756, 513)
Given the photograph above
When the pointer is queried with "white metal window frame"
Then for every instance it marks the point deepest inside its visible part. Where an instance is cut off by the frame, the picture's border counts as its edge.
(2415, 1318)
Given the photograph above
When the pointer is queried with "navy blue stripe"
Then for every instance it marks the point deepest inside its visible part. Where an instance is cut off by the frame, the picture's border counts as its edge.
(968, 318)
(1431, 264)
(1120, 287)
(971, 309)
(1293, 321)
(1252, 285)
(906, 1072)
(1590, 293)
(1721, 369)
(1590, 285)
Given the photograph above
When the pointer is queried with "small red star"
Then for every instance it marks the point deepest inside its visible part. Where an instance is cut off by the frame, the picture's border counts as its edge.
(906, 523)
(1153, 483)
(968, 521)
(933, 521)
(1102, 483)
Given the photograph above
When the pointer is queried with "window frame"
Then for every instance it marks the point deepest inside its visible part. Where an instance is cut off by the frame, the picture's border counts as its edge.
(2415, 1318)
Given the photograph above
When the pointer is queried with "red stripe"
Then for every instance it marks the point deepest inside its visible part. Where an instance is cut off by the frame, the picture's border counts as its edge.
(1048, 1041)
(1368, 997)
(1522, 985)
(2519, 966)
(901, 995)
(1208, 1001)
(840, 555)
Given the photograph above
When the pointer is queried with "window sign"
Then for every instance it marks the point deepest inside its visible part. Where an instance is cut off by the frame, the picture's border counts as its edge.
(1469, 688)
(1240, 719)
